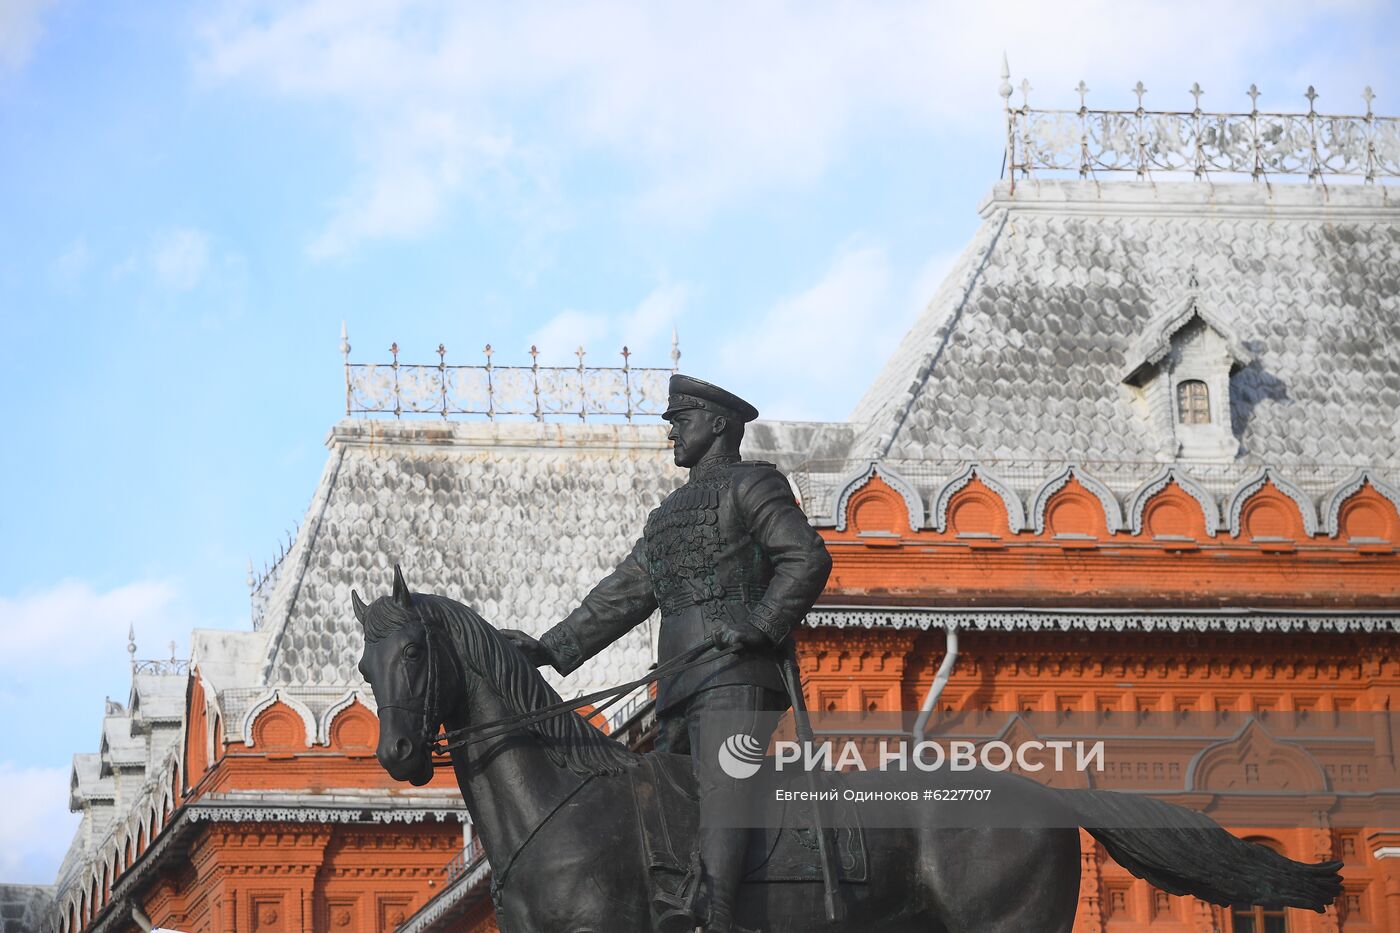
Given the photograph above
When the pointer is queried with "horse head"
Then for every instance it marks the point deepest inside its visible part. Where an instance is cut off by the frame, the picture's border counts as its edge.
(403, 666)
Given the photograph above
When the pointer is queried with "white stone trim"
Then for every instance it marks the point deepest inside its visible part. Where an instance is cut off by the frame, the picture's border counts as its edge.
(1251, 725)
(1234, 503)
(448, 900)
(1160, 480)
(293, 814)
(1093, 620)
(1381, 852)
(347, 700)
(266, 700)
(1156, 340)
(1332, 505)
(1112, 514)
(796, 492)
(1015, 513)
(1191, 199)
(853, 482)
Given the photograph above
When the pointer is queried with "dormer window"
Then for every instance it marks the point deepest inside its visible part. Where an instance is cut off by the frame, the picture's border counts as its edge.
(1193, 402)
(1179, 371)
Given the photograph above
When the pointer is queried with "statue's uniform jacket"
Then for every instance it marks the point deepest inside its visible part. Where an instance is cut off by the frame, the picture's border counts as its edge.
(731, 545)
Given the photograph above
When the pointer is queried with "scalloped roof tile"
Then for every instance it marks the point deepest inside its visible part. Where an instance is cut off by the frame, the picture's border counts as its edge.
(1035, 325)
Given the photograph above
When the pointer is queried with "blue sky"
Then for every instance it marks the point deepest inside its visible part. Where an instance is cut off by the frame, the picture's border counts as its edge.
(194, 196)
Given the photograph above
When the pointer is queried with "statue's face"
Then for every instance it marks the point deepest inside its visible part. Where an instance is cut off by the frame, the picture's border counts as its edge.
(693, 432)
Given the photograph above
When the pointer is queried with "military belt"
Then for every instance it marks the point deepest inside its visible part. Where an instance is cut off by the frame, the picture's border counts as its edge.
(745, 593)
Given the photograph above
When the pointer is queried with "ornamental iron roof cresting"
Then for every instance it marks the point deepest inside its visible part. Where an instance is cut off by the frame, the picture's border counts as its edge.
(1254, 143)
(490, 390)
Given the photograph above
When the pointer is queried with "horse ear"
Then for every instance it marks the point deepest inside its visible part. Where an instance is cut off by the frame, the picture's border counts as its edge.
(359, 606)
(401, 594)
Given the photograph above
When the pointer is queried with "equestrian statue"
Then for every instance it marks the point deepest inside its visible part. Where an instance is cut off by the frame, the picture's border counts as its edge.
(585, 836)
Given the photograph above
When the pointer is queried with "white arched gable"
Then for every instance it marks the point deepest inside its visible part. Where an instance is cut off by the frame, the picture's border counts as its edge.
(1112, 514)
(1332, 505)
(860, 478)
(1235, 501)
(1015, 512)
(308, 721)
(1160, 480)
(347, 700)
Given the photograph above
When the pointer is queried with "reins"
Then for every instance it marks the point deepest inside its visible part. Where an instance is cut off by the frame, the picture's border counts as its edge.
(445, 742)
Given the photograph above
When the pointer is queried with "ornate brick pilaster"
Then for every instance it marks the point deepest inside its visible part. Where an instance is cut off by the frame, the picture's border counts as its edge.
(1203, 919)
(1327, 922)
(1090, 914)
(1385, 849)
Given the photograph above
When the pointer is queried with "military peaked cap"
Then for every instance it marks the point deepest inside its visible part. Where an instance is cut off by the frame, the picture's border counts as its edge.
(689, 392)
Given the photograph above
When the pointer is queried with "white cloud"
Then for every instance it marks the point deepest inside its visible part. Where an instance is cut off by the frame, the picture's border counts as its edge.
(21, 27)
(416, 169)
(180, 259)
(37, 828)
(655, 318)
(834, 335)
(70, 624)
(68, 269)
(704, 104)
(641, 329)
(561, 334)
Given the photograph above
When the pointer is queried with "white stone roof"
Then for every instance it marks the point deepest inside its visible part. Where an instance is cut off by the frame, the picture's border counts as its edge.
(227, 658)
(516, 520)
(1022, 353)
(87, 781)
(120, 749)
(23, 907)
(117, 787)
(156, 699)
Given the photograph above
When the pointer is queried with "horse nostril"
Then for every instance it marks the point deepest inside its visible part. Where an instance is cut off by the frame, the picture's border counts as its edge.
(402, 749)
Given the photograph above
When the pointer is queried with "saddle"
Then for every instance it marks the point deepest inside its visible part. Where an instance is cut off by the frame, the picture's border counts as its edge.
(668, 814)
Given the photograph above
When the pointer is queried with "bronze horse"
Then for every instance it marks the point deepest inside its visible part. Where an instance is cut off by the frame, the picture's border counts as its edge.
(555, 808)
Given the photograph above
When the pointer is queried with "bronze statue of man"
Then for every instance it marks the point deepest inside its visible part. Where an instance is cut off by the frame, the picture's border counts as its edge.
(730, 559)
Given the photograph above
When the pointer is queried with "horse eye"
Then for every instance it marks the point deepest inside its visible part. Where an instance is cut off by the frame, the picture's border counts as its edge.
(411, 652)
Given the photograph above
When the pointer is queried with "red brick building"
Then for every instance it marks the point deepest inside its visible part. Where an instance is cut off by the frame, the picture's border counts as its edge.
(1141, 454)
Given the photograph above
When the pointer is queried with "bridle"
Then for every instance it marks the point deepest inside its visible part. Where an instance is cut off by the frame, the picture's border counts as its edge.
(446, 741)
(427, 702)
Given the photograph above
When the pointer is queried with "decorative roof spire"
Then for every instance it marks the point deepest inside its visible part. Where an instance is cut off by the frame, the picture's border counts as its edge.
(131, 644)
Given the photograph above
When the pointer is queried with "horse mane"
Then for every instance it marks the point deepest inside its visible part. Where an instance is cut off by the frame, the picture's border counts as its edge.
(569, 739)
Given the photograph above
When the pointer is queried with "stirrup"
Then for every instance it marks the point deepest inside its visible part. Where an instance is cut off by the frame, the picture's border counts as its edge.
(679, 912)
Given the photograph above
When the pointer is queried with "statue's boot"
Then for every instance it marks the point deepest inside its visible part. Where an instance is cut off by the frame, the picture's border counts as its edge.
(722, 860)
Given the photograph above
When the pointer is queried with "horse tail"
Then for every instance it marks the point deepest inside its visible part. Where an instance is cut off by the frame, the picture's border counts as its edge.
(1185, 852)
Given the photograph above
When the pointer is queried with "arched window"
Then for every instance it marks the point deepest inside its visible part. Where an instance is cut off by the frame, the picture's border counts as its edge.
(1259, 919)
(1192, 402)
